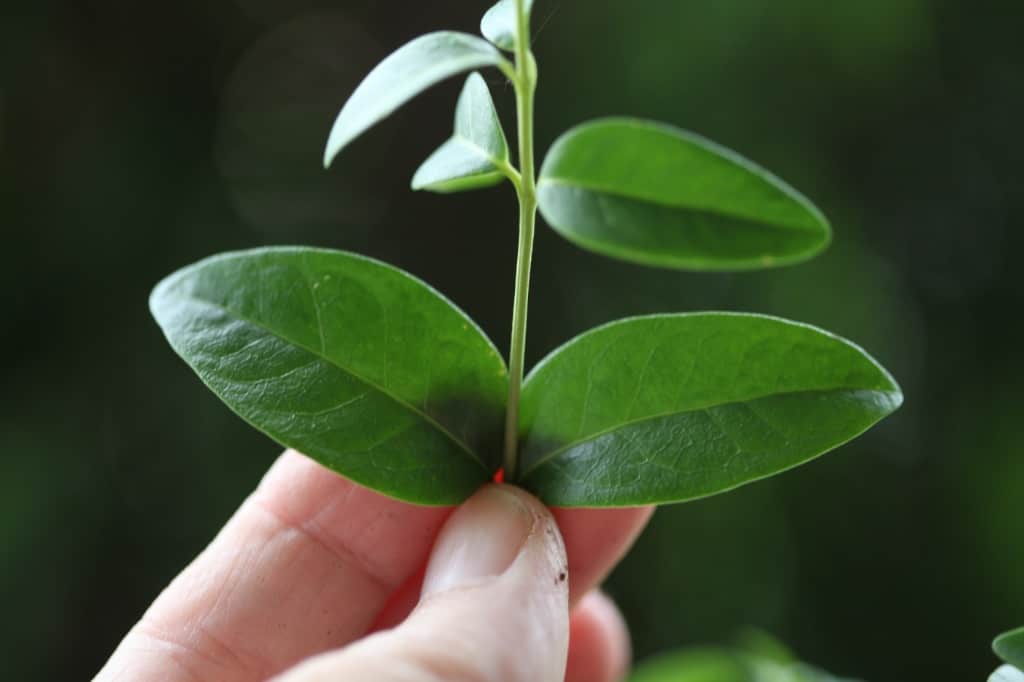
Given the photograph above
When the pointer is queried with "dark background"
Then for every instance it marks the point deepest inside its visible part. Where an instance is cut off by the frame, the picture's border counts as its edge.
(138, 137)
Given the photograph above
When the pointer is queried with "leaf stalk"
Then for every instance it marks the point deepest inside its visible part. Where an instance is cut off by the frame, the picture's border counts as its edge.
(525, 82)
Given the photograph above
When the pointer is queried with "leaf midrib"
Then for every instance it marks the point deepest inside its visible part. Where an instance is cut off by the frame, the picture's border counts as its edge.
(480, 151)
(475, 150)
(701, 408)
(412, 408)
(787, 227)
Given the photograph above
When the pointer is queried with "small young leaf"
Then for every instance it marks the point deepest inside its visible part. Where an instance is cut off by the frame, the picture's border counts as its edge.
(1006, 673)
(1009, 646)
(656, 195)
(499, 24)
(670, 408)
(471, 158)
(409, 71)
(353, 362)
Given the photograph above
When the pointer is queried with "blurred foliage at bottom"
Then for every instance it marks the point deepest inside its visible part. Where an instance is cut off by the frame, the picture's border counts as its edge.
(756, 657)
(136, 138)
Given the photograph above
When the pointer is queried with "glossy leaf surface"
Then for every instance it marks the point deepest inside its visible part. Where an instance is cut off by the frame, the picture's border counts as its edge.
(670, 408)
(499, 24)
(351, 361)
(1009, 646)
(656, 195)
(409, 71)
(471, 158)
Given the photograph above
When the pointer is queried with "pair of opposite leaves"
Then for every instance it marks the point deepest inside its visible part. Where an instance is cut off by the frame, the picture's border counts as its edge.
(379, 377)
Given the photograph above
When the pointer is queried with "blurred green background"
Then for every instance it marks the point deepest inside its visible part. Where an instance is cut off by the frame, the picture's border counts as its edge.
(138, 137)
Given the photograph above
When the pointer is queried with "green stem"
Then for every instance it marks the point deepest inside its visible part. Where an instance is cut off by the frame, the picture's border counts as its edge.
(525, 84)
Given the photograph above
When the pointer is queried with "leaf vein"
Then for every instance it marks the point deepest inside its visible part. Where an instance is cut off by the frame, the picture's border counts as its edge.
(412, 408)
(545, 458)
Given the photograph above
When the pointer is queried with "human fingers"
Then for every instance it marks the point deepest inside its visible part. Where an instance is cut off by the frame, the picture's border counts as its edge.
(494, 606)
(304, 566)
(599, 648)
(595, 540)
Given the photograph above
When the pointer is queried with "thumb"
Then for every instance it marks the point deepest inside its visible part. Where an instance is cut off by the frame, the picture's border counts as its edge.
(495, 604)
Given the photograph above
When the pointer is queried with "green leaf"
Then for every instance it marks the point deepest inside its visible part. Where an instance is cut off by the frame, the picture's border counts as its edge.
(353, 362)
(1006, 673)
(1009, 646)
(762, 645)
(656, 195)
(476, 153)
(670, 408)
(409, 71)
(499, 24)
(708, 664)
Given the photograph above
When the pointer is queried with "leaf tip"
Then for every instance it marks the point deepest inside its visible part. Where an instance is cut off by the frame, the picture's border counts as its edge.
(821, 222)
(475, 80)
(1009, 646)
(158, 297)
(334, 146)
(417, 183)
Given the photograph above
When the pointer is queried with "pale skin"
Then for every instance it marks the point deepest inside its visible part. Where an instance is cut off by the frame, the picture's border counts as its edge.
(316, 578)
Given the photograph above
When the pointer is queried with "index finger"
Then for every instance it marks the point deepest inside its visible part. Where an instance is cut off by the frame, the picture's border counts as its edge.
(305, 565)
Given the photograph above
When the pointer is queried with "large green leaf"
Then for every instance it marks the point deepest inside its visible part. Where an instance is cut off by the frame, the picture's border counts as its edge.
(670, 408)
(656, 195)
(355, 363)
(411, 69)
(500, 25)
(473, 156)
(1009, 646)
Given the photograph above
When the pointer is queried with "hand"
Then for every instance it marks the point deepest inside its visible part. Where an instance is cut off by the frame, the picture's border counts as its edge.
(316, 578)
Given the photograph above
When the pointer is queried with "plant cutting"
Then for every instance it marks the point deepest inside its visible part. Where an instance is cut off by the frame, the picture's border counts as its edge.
(379, 377)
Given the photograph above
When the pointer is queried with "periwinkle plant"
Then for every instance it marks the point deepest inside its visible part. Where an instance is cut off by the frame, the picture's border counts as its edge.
(380, 378)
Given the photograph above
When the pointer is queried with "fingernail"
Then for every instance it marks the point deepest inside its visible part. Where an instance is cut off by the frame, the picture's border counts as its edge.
(480, 540)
